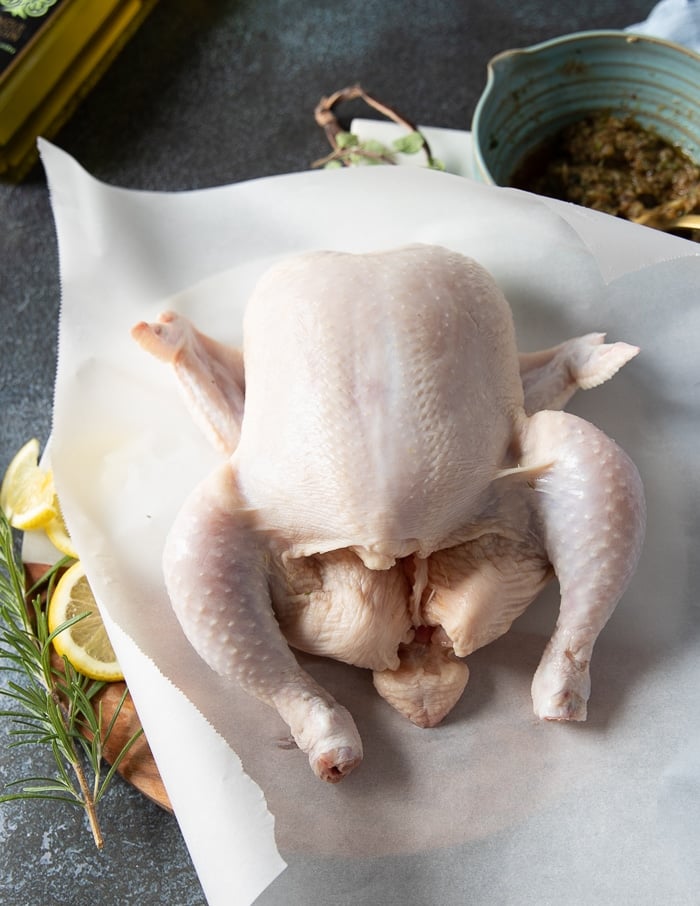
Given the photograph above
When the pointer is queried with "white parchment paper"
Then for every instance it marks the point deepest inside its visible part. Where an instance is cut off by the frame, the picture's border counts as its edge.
(493, 806)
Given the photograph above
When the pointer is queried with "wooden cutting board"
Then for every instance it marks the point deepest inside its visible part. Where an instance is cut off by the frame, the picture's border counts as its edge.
(138, 767)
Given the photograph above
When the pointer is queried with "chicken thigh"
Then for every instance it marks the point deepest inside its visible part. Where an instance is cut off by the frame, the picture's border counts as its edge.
(399, 485)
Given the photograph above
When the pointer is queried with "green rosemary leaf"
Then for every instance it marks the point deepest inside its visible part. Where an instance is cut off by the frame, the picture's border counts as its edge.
(62, 628)
(88, 749)
(117, 761)
(28, 739)
(113, 721)
(24, 725)
(63, 766)
(81, 705)
(48, 580)
(28, 793)
(41, 784)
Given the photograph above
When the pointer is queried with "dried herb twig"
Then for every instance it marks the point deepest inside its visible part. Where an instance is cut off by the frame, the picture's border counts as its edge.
(348, 149)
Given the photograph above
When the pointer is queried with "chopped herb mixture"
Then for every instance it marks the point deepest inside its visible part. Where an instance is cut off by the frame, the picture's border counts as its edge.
(614, 164)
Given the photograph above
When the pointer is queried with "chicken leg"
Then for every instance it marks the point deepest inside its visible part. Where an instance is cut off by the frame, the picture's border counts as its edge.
(217, 579)
(592, 511)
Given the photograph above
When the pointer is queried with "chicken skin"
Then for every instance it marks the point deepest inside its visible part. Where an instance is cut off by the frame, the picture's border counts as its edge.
(399, 485)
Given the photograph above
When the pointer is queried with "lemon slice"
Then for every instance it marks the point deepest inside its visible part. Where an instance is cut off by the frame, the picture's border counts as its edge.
(27, 494)
(58, 533)
(85, 643)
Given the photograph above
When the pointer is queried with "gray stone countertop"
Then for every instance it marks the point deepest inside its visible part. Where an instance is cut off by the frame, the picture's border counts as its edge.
(208, 93)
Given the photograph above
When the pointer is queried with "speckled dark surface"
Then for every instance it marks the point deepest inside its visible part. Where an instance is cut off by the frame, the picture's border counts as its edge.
(208, 93)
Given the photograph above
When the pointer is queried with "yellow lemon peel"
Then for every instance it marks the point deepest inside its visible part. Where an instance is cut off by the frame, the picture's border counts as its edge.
(85, 643)
(27, 493)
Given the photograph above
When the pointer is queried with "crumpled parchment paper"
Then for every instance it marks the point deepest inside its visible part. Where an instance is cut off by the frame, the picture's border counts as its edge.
(493, 806)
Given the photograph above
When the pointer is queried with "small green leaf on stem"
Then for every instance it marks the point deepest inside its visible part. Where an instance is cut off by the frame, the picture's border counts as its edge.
(411, 143)
(346, 140)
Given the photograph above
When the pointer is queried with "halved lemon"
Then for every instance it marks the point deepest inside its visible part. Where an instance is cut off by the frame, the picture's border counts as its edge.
(27, 492)
(58, 533)
(85, 643)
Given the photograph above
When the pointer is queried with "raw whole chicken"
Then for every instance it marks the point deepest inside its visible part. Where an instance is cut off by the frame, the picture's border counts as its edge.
(399, 485)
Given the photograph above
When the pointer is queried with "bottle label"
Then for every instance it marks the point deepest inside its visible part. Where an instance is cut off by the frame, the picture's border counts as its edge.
(20, 21)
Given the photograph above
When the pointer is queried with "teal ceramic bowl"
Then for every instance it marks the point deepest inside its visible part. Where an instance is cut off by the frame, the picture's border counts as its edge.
(534, 92)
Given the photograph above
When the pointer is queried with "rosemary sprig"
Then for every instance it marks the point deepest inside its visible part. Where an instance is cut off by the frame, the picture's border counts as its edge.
(53, 704)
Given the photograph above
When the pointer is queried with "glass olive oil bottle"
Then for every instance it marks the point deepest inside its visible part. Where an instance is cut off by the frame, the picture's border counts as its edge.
(51, 53)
